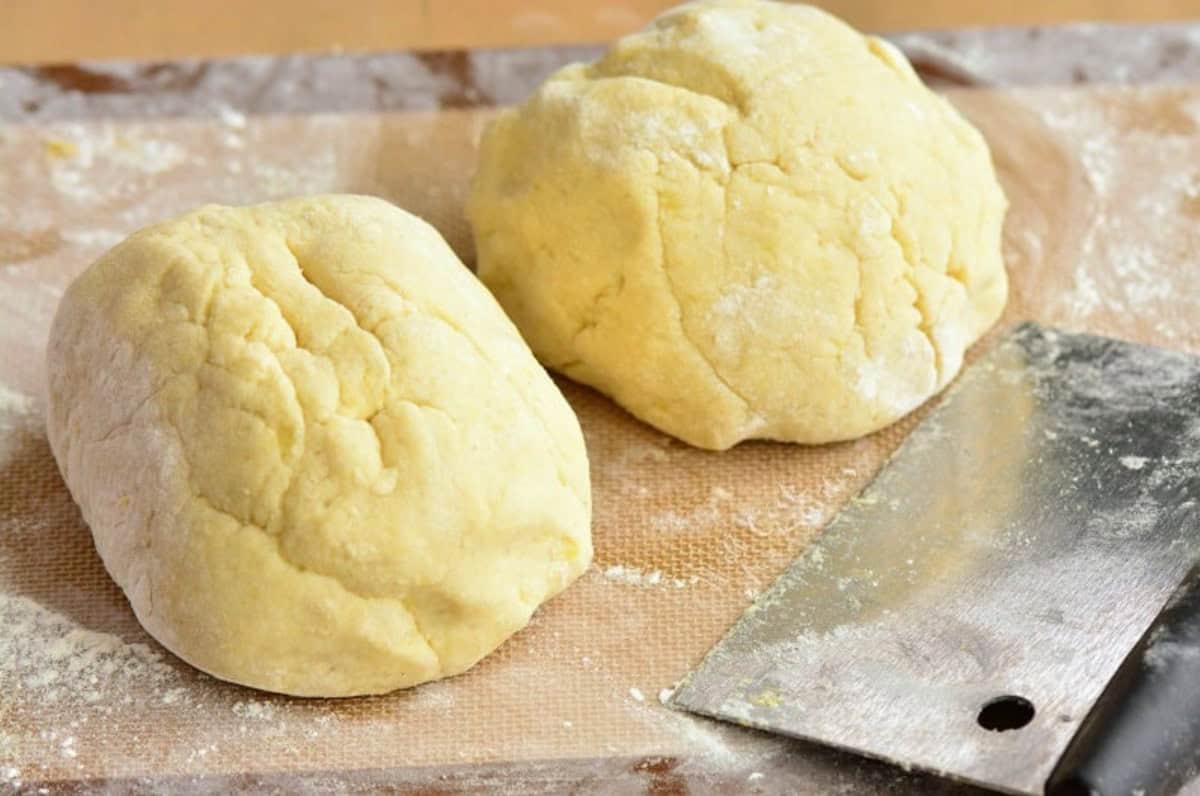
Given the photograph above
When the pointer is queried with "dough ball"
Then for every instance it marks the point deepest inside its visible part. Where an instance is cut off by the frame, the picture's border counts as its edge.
(747, 221)
(311, 448)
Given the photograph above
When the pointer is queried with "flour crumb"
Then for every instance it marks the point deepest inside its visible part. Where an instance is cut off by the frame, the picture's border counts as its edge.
(637, 695)
(623, 574)
(665, 694)
(632, 576)
(1134, 462)
(92, 238)
(13, 403)
(202, 752)
(755, 776)
(231, 117)
(252, 709)
(652, 452)
(174, 695)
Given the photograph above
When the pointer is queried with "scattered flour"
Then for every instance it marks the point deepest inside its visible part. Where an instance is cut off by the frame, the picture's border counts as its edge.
(231, 117)
(710, 747)
(77, 682)
(92, 238)
(436, 696)
(632, 576)
(637, 453)
(175, 695)
(55, 660)
(699, 517)
(254, 709)
(278, 181)
(1135, 230)
(793, 509)
(11, 775)
(85, 160)
(12, 404)
(17, 411)
(1164, 651)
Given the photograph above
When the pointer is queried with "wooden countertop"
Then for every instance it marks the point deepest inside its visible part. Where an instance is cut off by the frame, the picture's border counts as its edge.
(56, 31)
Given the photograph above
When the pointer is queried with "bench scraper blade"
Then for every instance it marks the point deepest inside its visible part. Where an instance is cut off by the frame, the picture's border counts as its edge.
(964, 613)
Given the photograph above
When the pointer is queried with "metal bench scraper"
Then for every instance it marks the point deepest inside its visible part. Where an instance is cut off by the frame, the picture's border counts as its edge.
(1007, 568)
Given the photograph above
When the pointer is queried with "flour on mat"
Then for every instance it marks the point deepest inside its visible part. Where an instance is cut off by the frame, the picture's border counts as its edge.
(13, 405)
(792, 509)
(702, 516)
(432, 696)
(92, 238)
(18, 412)
(231, 117)
(312, 175)
(708, 748)
(253, 709)
(1139, 232)
(637, 452)
(55, 660)
(632, 576)
(79, 155)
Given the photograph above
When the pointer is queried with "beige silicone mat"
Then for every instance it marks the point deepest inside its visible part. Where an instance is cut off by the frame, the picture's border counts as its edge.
(1102, 236)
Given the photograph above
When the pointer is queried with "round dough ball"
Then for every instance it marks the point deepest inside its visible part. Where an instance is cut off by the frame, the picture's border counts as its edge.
(312, 449)
(747, 221)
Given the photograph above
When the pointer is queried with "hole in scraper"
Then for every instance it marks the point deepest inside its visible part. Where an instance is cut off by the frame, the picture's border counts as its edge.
(1006, 713)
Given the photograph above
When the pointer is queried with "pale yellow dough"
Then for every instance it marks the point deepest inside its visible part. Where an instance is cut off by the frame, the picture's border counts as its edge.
(746, 221)
(311, 448)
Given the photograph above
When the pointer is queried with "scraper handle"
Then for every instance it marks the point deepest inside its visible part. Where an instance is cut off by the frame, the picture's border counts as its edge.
(1143, 735)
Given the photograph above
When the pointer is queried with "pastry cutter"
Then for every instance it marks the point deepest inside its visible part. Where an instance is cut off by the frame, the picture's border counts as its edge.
(1013, 601)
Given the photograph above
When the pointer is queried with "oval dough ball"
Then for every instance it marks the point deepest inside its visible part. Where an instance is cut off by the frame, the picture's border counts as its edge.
(747, 221)
(312, 449)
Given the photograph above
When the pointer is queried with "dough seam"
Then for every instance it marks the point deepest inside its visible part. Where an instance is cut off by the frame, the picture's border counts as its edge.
(924, 326)
(483, 356)
(387, 383)
(670, 284)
